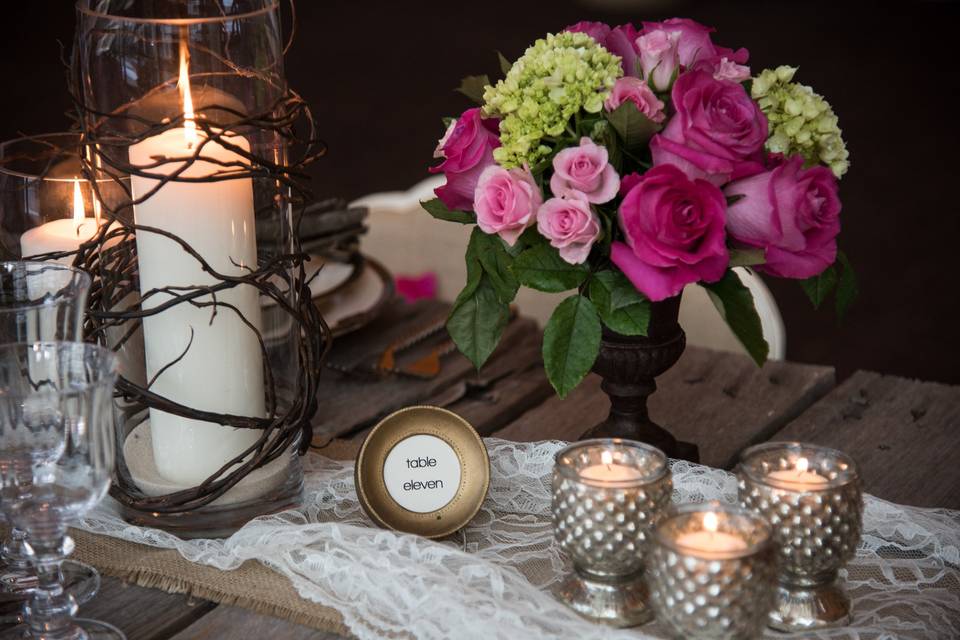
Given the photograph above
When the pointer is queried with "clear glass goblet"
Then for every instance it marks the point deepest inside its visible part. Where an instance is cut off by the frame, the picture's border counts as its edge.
(57, 452)
(40, 301)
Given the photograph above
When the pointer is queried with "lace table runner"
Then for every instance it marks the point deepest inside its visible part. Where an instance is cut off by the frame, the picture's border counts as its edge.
(493, 579)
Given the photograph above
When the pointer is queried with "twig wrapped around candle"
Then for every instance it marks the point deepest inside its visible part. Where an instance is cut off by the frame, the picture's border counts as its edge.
(607, 494)
(813, 500)
(711, 571)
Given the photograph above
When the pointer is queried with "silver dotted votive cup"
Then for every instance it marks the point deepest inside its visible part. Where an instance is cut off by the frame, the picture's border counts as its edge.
(607, 495)
(816, 526)
(712, 591)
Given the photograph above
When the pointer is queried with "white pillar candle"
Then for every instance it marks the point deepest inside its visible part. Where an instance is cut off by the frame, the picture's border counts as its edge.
(64, 234)
(609, 471)
(222, 370)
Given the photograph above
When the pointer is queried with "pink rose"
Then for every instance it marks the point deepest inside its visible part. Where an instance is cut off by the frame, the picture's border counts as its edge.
(717, 133)
(792, 213)
(467, 150)
(619, 41)
(659, 57)
(586, 170)
(639, 93)
(695, 48)
(506, 202)
(674, 231)
(729, 70)
(628, 182)
(570, 226)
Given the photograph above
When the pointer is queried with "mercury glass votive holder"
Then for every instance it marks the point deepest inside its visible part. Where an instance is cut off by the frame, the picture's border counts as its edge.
(607, 495)
(711, 569)
(813, 500)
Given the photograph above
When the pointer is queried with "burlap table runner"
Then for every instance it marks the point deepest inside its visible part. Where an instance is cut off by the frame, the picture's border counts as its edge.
(253, 585)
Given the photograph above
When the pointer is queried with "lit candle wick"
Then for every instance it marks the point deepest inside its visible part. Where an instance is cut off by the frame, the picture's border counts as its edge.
(183, 83)
(607, 458)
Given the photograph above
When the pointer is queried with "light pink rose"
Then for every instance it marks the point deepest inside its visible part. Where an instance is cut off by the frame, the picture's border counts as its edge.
(585, 169)
(570, 226)
(729, 70)
(467, 150)
(695, 47)
(639, 93)
(717, 133)
(506, 202)
(792, 213)
(659, 57)
(438, 152)
(674, 229)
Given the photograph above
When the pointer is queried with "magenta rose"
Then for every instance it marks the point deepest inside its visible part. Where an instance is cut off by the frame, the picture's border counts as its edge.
(620, 41)
(639, 93)
(792, 213)
(585, 170)
(695, 47)
(506, 202)
(570, 226)
(717, 133)
(659, 57)
(729, 70)
(467, 149)
(674, 227)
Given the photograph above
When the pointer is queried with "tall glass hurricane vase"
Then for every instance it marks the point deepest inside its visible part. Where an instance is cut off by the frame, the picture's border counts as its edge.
(189, 101)
(56, 460)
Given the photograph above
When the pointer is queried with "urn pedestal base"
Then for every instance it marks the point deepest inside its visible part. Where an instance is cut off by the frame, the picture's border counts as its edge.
(629, 366)
(616, 600)
(803, 607)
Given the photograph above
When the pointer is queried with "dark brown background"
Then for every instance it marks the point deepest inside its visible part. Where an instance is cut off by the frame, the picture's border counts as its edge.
(379, 75)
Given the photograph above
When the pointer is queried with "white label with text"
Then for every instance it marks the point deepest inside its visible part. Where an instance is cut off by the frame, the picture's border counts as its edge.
(422, 473)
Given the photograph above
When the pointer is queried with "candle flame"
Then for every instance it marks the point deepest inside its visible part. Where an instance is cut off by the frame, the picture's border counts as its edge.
(710, 521)
(802, 465)
(78, 208)
(606, 457)
(183, 83)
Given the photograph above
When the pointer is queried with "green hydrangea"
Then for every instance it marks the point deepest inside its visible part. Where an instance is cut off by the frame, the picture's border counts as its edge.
(801, 121)
(554, 79)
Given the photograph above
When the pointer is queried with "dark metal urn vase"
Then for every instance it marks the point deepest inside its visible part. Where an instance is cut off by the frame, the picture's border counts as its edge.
(629, 366)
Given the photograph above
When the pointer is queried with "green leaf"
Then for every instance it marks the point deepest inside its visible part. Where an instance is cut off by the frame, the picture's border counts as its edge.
(529, 238)
(571, 342)
(621, 307)
(504, 64)
(847, 288)
(542, 268)
(438, 210)
(735, 303)
(615, 289)
(477, 320)
(473, 87)
(747, 257)
(819, 287)
(634, 128)
(496, 262)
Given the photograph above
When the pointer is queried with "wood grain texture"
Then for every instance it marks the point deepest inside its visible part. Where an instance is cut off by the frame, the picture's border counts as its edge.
(144, 614)
(902, 433)
(226, 622)
(720, 401)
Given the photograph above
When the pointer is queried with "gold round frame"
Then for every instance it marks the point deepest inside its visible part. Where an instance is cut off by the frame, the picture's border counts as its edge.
(448, 427)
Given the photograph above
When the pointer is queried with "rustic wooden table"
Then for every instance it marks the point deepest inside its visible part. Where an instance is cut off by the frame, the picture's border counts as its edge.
(902, 432)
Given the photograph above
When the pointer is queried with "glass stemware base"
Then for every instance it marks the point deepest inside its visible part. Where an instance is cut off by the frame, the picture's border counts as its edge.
(79, 579)
(82, 629)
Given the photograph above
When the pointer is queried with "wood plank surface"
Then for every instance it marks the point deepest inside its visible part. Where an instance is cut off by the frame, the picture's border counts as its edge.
(904, 435)
(720, 401)
(226, 622)
(144, 614)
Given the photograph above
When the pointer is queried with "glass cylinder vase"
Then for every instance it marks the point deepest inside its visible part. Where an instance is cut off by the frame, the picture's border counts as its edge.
(189, 101)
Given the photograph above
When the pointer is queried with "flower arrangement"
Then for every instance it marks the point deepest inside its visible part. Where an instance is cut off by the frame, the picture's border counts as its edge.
(626, 164)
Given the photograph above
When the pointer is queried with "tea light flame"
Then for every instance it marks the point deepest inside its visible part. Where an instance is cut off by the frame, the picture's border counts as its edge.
(802, 465)
(78, 208)
(606, 458)
(710, 522)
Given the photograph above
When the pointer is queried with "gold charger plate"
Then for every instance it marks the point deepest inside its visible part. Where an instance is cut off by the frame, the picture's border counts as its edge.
(431, 421)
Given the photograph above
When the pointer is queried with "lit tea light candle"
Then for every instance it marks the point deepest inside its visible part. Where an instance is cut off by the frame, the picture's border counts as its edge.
(800, 476)
(609, 471)
(709, 542)
(65, 234)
